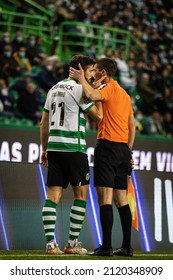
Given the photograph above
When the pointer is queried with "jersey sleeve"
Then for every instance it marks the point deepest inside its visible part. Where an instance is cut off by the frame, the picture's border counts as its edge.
(47, 103)
(84, 103)
(105, 91)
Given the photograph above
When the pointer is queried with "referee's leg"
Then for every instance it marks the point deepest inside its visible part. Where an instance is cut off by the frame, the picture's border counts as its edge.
(105, 196)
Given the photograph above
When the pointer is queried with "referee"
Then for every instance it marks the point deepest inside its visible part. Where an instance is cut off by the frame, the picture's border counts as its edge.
(115, 138)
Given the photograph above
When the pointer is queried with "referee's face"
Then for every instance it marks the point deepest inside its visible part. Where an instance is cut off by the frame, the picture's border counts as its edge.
(89, 73)
(97, 73)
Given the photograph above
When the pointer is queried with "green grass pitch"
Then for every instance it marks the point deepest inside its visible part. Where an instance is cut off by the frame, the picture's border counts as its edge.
(41, 255)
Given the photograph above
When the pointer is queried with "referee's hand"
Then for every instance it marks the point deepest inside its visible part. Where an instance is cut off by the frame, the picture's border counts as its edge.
(98, 83)
(76, 74)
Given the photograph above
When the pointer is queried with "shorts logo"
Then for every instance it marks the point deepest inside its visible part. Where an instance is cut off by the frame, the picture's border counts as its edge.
(87, 176)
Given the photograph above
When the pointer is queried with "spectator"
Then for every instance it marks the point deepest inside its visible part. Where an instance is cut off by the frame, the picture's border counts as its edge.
(107, 53)
(6, 101)
(39, 47)
(168, 124)
(22, 60)
(165, 79)
(139, 120)
(28, 103)
(147, 93)
(148, 21)
(153, 125)
(127, 81)
(50, 74)
(20, 84)
(34, 51)
(9, 67)
(18, 41)
(164, 101)
(91, 51)
(4, 41)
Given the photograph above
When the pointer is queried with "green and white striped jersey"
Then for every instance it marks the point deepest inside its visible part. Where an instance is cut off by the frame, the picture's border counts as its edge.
(66, 108)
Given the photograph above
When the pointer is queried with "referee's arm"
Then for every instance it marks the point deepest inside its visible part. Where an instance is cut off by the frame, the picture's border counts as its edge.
(132, 130)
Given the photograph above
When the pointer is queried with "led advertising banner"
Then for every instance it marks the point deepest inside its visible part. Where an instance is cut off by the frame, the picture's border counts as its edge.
(23, 145)
(23, 190)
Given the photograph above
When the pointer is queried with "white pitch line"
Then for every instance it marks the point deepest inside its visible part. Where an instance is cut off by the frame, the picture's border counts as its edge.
(152, 255)
(64, 255)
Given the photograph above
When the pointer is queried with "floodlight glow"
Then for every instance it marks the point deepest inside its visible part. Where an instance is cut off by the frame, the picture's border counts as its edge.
(4, 231)
(98, 234)
(141, 216)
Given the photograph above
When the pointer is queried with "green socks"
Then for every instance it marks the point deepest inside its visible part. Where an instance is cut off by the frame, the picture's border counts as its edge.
(77, 216)
(49, 219)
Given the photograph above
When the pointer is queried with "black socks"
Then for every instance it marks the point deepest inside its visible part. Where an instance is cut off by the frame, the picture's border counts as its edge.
(106, 219)
(126, 223)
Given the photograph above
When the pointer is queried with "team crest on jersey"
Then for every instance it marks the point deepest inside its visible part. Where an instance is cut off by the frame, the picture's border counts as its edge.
(87, 176)
(102, 86)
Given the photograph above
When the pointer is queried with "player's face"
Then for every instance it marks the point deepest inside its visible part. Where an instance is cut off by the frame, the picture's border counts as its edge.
(89, 73)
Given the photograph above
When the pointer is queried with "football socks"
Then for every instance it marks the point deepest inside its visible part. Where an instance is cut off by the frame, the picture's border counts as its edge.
(49, 219)
(106, 219)
(126, 222)
(77, 215)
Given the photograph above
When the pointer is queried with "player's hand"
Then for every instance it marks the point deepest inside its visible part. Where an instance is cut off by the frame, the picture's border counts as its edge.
(44, 160)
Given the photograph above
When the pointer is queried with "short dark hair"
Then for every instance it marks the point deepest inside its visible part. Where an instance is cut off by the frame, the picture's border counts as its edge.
(107, 64)
(84, 60)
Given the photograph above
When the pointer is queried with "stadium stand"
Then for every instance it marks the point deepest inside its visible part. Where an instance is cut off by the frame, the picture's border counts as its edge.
(137, 34)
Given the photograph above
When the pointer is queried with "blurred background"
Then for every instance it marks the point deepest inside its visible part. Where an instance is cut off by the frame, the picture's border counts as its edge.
(37, 40)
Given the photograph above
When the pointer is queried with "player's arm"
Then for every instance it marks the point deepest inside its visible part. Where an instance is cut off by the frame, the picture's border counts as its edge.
(44, 134)
(132, 129)
(96, 111)
(90, 92)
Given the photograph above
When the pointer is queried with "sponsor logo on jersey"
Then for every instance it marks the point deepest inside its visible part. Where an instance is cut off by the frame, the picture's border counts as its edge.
(64, 86)
(59, 93)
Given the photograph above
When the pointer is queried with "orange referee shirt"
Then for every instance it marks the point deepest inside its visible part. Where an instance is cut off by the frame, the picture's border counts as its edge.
(116, 110)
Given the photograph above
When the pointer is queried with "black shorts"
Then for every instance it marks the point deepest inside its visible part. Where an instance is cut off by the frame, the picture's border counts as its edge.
(111, 164)
(67, 167)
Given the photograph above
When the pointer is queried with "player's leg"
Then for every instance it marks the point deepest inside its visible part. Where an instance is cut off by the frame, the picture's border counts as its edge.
(77, 216)
(55, 182)
(80, 182)
(49, 218)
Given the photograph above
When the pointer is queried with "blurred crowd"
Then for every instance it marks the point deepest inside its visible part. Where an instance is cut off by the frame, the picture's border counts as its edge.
(27, 72)
(26, 75)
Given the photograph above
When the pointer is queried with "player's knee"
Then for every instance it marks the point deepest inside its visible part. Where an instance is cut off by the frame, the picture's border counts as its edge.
(54, 194)
(80, 193)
